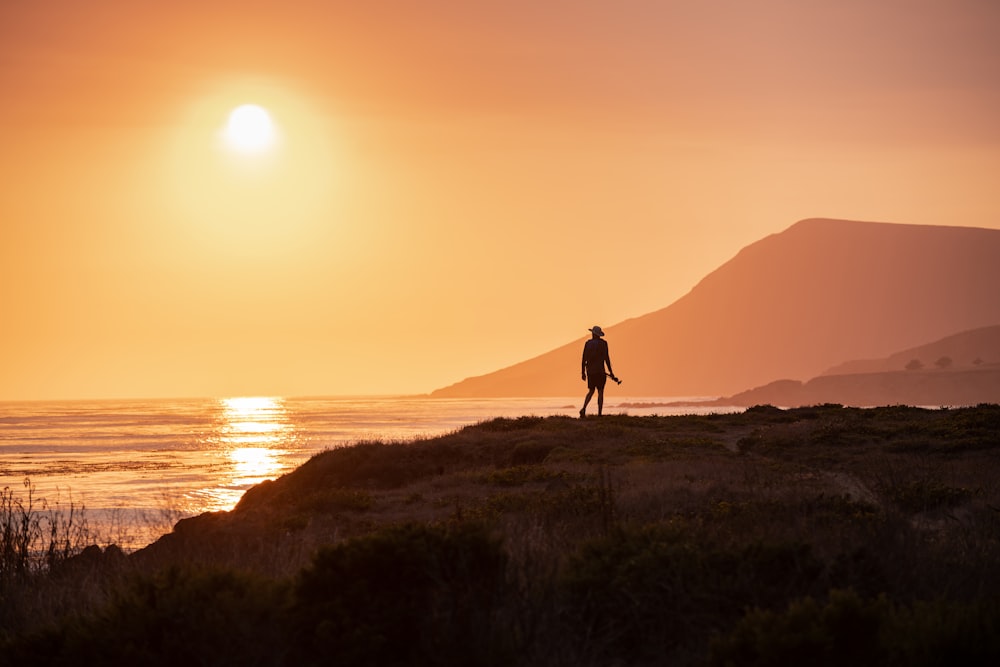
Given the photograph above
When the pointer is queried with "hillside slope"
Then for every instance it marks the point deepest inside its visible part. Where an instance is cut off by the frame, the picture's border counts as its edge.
(922, 387)
(970, 376)
(966, 350)
(790, 305)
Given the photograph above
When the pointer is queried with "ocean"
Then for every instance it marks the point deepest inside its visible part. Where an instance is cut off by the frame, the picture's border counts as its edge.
(136, 466)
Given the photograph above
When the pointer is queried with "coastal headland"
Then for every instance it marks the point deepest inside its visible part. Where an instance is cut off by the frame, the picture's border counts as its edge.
(738, 538)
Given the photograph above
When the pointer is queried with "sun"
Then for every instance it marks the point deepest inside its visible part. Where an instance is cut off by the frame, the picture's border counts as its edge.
(250, 129)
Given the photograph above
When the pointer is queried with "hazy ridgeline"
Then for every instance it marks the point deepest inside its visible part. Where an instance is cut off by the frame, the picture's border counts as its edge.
(826, 534)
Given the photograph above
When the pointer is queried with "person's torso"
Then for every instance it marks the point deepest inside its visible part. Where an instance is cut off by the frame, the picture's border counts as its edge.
(595, 351)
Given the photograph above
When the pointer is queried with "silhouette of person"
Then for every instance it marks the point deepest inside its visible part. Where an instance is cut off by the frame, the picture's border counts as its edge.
(595, 356)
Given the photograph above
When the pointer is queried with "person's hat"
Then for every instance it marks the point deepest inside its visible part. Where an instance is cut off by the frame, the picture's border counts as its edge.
(596, 330)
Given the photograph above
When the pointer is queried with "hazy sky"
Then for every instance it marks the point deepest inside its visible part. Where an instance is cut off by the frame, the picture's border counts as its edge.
(459, 185)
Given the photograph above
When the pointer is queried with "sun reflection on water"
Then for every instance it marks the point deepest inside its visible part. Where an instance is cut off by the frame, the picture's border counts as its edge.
(254, 421)
(254, 434)
(254, 464)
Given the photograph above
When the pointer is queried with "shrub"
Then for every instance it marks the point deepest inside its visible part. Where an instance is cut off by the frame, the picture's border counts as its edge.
(851, 630)
(412, 594)
(923, 495)
(846, 631)
(530, 453)
(520, 475)
(177, 617)
(657, 591)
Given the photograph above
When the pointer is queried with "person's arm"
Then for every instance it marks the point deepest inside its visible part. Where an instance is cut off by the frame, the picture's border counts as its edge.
(583, 363)
(607, 360)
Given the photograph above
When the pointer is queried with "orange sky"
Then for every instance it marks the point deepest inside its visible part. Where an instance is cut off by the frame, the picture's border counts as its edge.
(460, 185)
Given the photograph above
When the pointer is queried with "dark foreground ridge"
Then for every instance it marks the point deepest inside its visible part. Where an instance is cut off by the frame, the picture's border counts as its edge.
(829, 534)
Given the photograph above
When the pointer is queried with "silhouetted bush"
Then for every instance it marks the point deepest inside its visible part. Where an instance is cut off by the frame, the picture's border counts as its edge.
(654, 591)
(177, 617)
(851, 630)
(923, 495)
(530, 453)
(413, 594)
(943, 362)
(961, 429)
(846, 631)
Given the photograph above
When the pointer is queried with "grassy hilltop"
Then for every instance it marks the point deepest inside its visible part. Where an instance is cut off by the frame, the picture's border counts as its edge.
(828, 534)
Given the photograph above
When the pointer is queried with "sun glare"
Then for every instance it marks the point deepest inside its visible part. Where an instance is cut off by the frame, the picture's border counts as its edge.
(250, 171)
(250, 129)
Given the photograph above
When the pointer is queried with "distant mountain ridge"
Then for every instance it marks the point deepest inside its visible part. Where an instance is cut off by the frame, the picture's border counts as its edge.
(963, 369)
(922, 387)
(791, 305)
(964, 350)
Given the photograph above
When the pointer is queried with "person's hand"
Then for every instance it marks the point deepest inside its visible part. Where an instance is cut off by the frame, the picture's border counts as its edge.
(583, 376)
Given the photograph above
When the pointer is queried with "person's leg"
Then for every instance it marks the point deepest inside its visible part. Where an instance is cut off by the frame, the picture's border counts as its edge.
(600, 401)
(586, 400)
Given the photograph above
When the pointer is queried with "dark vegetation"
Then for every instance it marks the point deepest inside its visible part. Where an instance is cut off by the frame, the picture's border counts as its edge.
(821, 535)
